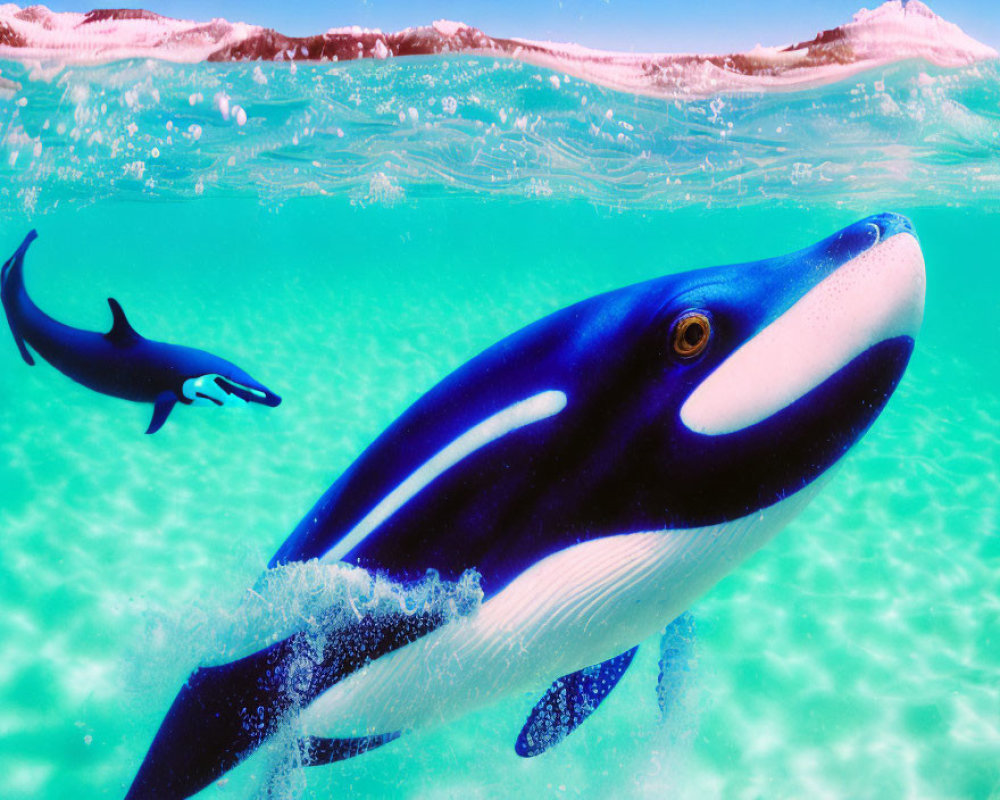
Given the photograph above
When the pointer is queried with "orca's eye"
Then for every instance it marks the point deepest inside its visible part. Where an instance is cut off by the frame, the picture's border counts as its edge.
(690, 334)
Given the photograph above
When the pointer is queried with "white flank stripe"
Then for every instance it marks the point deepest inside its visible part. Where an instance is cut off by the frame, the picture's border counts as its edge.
(577, 607)
(532, 409)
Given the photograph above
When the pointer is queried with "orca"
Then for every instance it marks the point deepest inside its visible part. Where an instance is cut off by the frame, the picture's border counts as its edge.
(601, 469)
(120, 362)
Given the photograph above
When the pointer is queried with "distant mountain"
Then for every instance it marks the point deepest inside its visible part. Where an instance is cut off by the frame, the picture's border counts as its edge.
(891, 33)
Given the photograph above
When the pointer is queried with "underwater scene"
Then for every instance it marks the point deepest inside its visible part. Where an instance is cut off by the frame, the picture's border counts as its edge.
(705, 533)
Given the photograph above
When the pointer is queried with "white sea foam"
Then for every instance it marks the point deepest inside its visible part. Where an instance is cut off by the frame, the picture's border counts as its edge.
(314, 598)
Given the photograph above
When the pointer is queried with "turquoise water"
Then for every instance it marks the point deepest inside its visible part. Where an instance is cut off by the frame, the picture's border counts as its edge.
(349, 253)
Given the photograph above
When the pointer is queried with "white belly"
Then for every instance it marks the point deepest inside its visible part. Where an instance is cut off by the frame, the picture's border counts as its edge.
(577, 607)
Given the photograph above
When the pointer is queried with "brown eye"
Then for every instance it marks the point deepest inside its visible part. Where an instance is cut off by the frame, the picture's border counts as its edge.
(690, 336)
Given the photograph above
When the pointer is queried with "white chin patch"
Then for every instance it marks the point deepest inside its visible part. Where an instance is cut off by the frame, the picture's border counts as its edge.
(875, 296)
(204, 391)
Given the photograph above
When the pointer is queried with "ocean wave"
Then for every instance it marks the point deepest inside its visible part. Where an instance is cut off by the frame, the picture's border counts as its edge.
(390, 132)
(894, 32)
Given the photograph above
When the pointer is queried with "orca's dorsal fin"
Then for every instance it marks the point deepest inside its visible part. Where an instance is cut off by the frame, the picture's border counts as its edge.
(568, 702)
(121, 331)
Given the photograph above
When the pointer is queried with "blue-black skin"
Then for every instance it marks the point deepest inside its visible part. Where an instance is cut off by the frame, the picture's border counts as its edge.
(616, 460)
(120, 363)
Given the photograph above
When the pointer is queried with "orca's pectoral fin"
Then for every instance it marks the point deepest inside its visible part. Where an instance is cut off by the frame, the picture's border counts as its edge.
(317, 751)
(568, 702)
(164, 405)
(676, 659)
(121, 331)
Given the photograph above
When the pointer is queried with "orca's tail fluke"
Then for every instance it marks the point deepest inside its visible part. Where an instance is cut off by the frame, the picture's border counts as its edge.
(11, 287)
(224, 713)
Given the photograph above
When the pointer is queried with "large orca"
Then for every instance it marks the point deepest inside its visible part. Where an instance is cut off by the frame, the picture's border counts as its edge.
(121, 362)
(601, 469)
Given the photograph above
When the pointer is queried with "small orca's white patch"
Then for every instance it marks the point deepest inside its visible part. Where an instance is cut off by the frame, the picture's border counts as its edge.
(877, 295)
(204, 391)
(532, 409)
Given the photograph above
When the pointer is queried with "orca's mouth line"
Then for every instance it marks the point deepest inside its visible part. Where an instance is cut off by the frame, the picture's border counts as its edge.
(221, 391)
(246, 393)
(876, 296)
(525, 412)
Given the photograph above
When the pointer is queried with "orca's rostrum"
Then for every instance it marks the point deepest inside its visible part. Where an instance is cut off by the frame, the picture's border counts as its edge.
(601, 469)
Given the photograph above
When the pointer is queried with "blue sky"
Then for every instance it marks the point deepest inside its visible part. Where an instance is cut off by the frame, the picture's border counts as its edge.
(663, 25)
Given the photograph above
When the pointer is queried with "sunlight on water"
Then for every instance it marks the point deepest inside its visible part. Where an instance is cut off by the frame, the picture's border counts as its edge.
(381, 132)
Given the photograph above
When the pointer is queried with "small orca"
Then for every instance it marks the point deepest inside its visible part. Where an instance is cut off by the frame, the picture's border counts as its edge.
(601, 469)
(121, 362)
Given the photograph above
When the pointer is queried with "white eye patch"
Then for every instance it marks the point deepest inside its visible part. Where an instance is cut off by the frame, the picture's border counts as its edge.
(205, 391)
(875, 296)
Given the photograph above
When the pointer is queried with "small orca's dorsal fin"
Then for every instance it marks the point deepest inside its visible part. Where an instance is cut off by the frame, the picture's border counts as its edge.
(568, 702)
(316, 751)
(121, 331)
(164, 405)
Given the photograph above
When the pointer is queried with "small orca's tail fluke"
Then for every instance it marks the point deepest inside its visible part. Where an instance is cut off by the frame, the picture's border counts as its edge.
(11, 286)
(16, 260)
